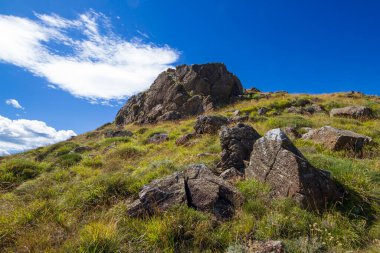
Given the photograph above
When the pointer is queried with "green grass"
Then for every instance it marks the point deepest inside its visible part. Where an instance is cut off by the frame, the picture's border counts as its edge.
(54, 200)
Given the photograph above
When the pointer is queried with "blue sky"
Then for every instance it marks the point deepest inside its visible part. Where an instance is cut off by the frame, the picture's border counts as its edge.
(68, 76)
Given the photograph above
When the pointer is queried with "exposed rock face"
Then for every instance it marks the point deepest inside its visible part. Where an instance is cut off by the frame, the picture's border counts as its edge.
(209, 124)
(184, 139)
(278, 162)
(337, 139)
(158, 138)
(184, 91)
(231, 175)
(117, 133)
(196, 187)
(237, 143)
(81, 149)
(357, 112)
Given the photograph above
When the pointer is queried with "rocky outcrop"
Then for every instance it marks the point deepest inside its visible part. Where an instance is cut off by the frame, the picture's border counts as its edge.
(206, 124)
(356, 112)
(237, 143)
(184, 139)
(197, 187)
(184, 91)
(117, 133)
(337, 139)
(276, 161)
(158, 138)
(306, 109)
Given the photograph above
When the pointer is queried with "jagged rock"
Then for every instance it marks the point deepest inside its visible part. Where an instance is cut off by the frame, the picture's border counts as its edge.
(262, 111)
(292, 132)
(117, 133)
(237, 145)
(337, 139)
(158, 138)
(209, 124)
(184, 139)
(276, 161)
(196, 187)
(81, 149)
(231, 175)
(357, 112)
(314, 108)
(184, 91)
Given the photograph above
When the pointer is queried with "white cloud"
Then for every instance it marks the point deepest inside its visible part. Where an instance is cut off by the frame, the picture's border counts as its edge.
(22, 134)
(82, 56)
(14, 103)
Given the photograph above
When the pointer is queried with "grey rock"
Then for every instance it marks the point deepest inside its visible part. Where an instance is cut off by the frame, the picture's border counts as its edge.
(337, 139)
(81, 149)
(158, 138)
(356, 112)
(184, 139)
(209, 124)
(262, 111)
(184, 91)
(231, 175)
(197, 187)
(117, 133)
(237, 143)
(276, 161)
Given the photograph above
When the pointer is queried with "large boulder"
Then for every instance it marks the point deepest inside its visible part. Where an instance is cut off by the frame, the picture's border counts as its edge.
(356, 112)
(196, 187)
(206, 124)
(276, 161)
(337, 139)
(237, 143)
(184, 91)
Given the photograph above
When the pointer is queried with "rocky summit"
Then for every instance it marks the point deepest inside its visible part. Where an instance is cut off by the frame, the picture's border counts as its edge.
(184, 91)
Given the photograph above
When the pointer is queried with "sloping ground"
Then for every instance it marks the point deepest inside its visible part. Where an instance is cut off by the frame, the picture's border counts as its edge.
(55, 200)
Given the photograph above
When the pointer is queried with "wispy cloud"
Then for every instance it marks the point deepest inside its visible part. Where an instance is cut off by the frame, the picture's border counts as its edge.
(82, 56)
(14, 103)
(20, 135)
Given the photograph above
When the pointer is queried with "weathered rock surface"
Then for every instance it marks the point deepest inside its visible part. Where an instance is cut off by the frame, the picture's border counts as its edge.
(236, 119)
(81, 149)
(184, 91)
(196, 187)
(209, 124)
(356, 112)
(231, 175)
(337, 139)
(117, 133)
(184, 139)
(158, 138)
(275, 160)
(237, 143)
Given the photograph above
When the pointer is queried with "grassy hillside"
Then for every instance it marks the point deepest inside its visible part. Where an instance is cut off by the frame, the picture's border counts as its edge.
(54, 200)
